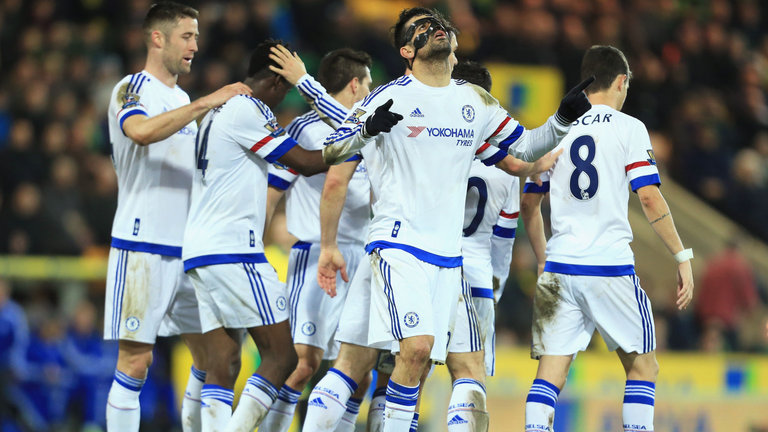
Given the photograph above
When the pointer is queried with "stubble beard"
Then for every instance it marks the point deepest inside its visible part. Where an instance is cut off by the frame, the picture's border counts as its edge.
(438, 51)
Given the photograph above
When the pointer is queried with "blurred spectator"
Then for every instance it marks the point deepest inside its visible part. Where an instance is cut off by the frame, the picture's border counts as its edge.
(47, 379)
(747, 196)
(62, 200)
(91, 361)
(14, 340)
(27, 229)
(21, 161)
(726, 293)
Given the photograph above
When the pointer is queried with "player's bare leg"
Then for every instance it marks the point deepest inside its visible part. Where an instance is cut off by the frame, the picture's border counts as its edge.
(640, 389)
(190, 405)
(280, 414)
(278, 360)
(123, 409)
(403, 389)
(329, 399)
(467, 409)
(540, 403)
(222, 357)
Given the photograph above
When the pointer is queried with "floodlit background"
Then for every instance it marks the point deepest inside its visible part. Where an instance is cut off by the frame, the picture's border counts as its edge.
(700, 80)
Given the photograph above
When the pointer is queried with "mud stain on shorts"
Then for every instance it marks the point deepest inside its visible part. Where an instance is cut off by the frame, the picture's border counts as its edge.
(136, 295)
(545, 303)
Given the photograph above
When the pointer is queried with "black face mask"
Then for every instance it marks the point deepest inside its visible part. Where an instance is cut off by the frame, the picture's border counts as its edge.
(423, 38)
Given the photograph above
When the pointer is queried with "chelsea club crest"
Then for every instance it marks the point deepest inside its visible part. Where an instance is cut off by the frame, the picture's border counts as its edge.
(468, 112)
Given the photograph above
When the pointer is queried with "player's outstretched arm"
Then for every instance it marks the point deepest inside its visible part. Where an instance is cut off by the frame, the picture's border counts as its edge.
(347, 141)
(657, 212)
(147, 130)
(530, 211)
(516, 167)
(305, 162)
(532, 144)
(292, 68)
(331, 205)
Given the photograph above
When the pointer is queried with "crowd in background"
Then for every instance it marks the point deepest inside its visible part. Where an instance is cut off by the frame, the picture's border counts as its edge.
(700, 84)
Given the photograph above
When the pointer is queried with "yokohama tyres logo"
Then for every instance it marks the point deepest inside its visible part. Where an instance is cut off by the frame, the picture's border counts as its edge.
(415, 131)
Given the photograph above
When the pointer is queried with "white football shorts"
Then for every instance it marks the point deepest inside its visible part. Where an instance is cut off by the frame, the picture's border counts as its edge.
(568, 308)
(411, 297)
(356, 313)
(479, 274)
(148, 295)
(314, 314)
(239, 295)
(467, 335)
(486, 319)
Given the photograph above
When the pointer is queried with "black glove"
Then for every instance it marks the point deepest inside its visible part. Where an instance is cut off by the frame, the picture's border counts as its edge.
(381, 120)
(574, 103)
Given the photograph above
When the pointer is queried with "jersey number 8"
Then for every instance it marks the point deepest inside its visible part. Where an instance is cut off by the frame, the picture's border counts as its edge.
(584, 167)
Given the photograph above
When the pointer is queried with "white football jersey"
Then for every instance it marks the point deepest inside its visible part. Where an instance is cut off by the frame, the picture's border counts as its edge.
(154, 180)
(420, 178)
(605, 153)
(236, 144)
(490, 213)
(304, 193)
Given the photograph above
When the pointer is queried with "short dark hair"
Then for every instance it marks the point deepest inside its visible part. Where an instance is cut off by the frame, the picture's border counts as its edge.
(165, 13)
(339, 66)
(473, 72)
(398, 30)
(258, 66)
(605, 63)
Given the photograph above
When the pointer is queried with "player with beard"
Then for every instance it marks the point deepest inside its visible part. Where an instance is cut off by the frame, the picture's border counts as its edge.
(414, 239)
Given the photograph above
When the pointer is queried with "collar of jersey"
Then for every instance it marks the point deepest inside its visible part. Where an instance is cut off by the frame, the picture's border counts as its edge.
(428, 88)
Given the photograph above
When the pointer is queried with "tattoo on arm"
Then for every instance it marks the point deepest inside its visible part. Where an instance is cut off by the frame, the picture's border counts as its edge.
(659, 218)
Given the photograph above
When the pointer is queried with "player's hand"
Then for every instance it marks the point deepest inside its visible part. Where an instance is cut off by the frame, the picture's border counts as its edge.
(291, 67)
(684, 284)
(382, 120)
(329, 262)
(575, 103)
(222, 95)
(545, 163)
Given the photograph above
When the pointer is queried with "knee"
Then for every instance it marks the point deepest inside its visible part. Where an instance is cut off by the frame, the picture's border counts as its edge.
(305, 368)
(223, 365)
(467, 365)
(134, 364)
(653, 369)
(646, 368)
(416, 353)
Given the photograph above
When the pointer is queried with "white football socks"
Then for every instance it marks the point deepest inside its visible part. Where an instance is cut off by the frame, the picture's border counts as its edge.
(123, 409)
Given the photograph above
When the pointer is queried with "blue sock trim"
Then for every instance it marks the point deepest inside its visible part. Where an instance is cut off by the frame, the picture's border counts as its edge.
(353, 405)
(402, 395)
(347, 380)
(468, 381)
(414, 423)
(381, 391)
(262, 384)
(543, 392)
(219, 393)
(548, 384)
(288, 395)
(198, 374)
(128, 382)
(640, 392)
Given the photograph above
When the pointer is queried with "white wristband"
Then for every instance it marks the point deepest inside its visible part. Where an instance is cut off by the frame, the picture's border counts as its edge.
(684, 255)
